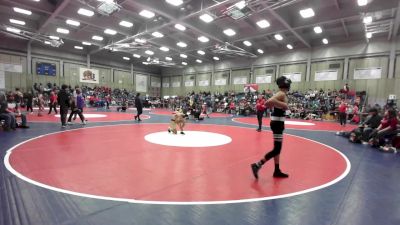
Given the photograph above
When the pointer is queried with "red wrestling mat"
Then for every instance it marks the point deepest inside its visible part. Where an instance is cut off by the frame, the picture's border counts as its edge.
(300, 124)
(117, 163)
(91, 116)
(165, 112)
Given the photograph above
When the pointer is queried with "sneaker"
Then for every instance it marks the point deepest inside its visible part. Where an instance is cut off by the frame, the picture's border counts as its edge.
(63, 126)
(139, 120)
(258, 130)
(279, 174)
(255, 168)
(83, 123)
(69, 123)
(135, 117)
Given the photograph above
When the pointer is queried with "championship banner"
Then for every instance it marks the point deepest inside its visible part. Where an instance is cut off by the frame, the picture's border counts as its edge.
(203, 83)
(165, 85)
(220, 82)
(250, 87)
(294, 77)
(88, 76)
(189, 83)
(326, 75)
(240, 80)
(263, 79)
(367, 73)
(155, 84)
(141, 83)
(176, 84)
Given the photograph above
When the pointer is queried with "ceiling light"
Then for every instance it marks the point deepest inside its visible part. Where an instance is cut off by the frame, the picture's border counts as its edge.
(168, 58)
(307, 13)
(362, 2)
(125, 23)
(174, 2)
(247, 43)
(325, 41)
(180, 27)
(183, 56)
(278, 37)
(86, 43)
(62, 30)
(147, 13)
(145, 63)
(206, 18)
(110, 32)
(215, 58)
(136, 56)
(229, 32)
(289, 46)
(47, 42)
(148, 52)
(260, 51)
(184, 63)
(97, 38)
(181, 44)
(54, 37)
(36, 0)
(199, 61)
(203, 39)
(140, 40)
(201, 52)
(367, 19)
(241, 4)
(19, 22)
(126, 58)
(73, 23)
(14, 30)
(157, 34)
(23, 11)
(164, 49)
(85, 12)
(263, 23)
(317, 29)
(78, 47)
(369, 35)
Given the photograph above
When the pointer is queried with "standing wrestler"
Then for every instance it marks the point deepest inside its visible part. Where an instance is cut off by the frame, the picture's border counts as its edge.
(279, 103)
(177, 120)
(260, 107)
(139, 107)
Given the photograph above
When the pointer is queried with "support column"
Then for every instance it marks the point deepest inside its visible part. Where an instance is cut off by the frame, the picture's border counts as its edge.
(29, 59)
(61, 68)
(392, 59)
(133, 79)
(276, 73)
(346, 68)
(88, 61)
(112, 75)
(308, 70)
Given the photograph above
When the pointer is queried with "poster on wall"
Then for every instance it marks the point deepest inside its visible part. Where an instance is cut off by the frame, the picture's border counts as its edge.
(240, 80)
(204, 83)
(326, 75)
(220, 82)
(141, 83)
(176, 84)
(89, 76)
(264, 79)
(165, 85)
(294, 77)
(155, 84)
(189, 83)
(8, 67)
(367, 73)
(2, 80)
(49, 69)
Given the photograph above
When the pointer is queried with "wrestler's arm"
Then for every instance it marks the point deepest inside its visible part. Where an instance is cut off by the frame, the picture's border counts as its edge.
(278, 100)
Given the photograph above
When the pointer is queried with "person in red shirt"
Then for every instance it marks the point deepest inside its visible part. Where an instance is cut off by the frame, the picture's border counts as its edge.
(53, 102)
(388, 127)
(260, 108)
(342, 113)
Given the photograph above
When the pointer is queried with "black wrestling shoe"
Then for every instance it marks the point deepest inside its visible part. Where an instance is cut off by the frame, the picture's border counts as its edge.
(169, 130)
(182, 133)
(135, 117)
(279, 174)
(258, 130)
(255, 168)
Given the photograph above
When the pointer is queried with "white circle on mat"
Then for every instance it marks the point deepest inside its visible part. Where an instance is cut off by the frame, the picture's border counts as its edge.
(189, 139)
(298, 123)
(89, 115)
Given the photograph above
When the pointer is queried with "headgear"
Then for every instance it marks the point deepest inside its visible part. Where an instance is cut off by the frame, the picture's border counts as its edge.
(283, 82)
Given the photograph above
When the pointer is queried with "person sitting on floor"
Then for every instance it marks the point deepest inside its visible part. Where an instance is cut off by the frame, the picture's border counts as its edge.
(363, 132)
(387, 127)
(6, 114)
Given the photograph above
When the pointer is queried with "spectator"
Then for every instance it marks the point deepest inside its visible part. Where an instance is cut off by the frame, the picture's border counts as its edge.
(387, 127)
(63, 101)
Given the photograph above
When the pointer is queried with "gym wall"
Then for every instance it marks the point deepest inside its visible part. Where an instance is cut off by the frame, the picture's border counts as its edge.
(343, 58)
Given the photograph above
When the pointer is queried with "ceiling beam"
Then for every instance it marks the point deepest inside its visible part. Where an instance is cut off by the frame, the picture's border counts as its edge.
(345, 28)
(53, 15)
(396, 23)
(287, 26)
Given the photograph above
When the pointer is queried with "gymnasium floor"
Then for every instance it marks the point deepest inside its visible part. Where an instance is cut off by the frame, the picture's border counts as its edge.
(117, 171)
